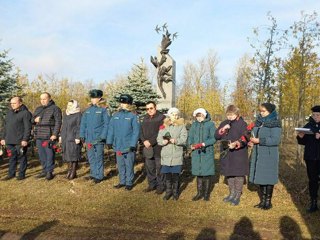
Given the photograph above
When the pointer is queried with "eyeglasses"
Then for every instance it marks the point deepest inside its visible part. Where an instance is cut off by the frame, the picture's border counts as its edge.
(149, 108)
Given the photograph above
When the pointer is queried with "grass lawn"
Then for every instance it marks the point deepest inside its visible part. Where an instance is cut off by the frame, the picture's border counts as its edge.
(79, 209)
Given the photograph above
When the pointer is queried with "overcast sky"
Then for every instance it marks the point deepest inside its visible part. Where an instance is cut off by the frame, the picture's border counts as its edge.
(99, 39)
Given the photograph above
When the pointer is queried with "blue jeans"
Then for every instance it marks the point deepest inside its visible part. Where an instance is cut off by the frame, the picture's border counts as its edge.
(95, 156)
(15, 158)
(125, 164)
(46, 156)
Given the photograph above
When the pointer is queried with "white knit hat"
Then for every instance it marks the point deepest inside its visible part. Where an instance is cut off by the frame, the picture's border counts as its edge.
(173, 110)
(200, 110)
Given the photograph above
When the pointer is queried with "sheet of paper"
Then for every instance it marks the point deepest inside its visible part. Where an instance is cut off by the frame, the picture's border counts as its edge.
(304, 130)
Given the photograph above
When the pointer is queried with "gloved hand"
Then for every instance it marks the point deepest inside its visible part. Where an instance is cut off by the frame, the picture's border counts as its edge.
(133, 149)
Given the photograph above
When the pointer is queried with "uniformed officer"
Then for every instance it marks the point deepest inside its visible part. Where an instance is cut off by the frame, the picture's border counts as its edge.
(123, 136)
(93, 131)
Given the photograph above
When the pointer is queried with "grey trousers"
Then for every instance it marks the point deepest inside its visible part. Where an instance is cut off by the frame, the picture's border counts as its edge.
(154, 176)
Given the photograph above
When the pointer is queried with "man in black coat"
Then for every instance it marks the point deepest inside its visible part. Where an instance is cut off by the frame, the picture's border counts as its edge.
(311, 156)
(15, 135)
(149, 132)
(47, 119)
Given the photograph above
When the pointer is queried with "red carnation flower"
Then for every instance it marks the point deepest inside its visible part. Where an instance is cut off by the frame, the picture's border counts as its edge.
(57, 150)
(243, 139)
(89, 145)
(44, 144)
(250, 126)
(9, 153)
(119, 153)
(162, 127)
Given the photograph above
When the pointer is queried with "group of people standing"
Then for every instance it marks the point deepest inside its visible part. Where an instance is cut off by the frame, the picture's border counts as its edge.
(164, 138)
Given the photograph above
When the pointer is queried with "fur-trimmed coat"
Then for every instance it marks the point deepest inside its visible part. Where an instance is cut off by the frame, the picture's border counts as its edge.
(172, 154)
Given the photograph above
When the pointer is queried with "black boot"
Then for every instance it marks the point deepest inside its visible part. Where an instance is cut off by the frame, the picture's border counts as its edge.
(199, 190)
(69, 170)
(73, 173)
(206, 188)
(268, 203)
(175, 186)
(313, 206)
(168, 194)
(263, 196)
(49, 176)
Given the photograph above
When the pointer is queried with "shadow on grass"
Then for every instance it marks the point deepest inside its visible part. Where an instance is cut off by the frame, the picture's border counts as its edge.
(176, 236)
(289, 228)
(34, 233)
(139, 177)
(2, 233)
(293, 175)
(244, 230)
(207, 234)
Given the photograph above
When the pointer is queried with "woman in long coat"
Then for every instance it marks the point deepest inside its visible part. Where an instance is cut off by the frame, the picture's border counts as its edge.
(201, 139)
(70, 138)
(234, 157)
(172, 137)
(264, 165)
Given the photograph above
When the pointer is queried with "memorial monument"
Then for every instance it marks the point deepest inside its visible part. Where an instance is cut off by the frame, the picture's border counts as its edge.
(166, 69)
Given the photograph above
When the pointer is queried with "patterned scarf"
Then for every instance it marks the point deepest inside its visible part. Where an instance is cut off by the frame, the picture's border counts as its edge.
(270, 121)
(72, 109)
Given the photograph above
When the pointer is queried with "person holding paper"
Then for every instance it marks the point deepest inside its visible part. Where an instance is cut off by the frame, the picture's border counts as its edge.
(311, 144)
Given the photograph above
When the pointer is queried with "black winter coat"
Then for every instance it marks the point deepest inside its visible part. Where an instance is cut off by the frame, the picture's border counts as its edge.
(236, 162)
(17, 126)
(50, 121)
(150, 129)
(311, 144)
(69, 132)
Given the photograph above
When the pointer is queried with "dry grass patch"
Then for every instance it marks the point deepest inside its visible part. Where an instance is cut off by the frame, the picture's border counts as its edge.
(79, 209)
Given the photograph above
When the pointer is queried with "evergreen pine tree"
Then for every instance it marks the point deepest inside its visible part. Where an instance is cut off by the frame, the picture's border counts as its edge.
(8, 81)
(138, 86)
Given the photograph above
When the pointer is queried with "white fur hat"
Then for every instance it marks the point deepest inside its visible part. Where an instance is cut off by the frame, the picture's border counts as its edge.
(200, 110)
(173, 110)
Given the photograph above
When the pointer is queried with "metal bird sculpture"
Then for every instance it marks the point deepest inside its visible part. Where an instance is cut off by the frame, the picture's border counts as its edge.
(164, 27)
(175, 35)
(157, 29)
